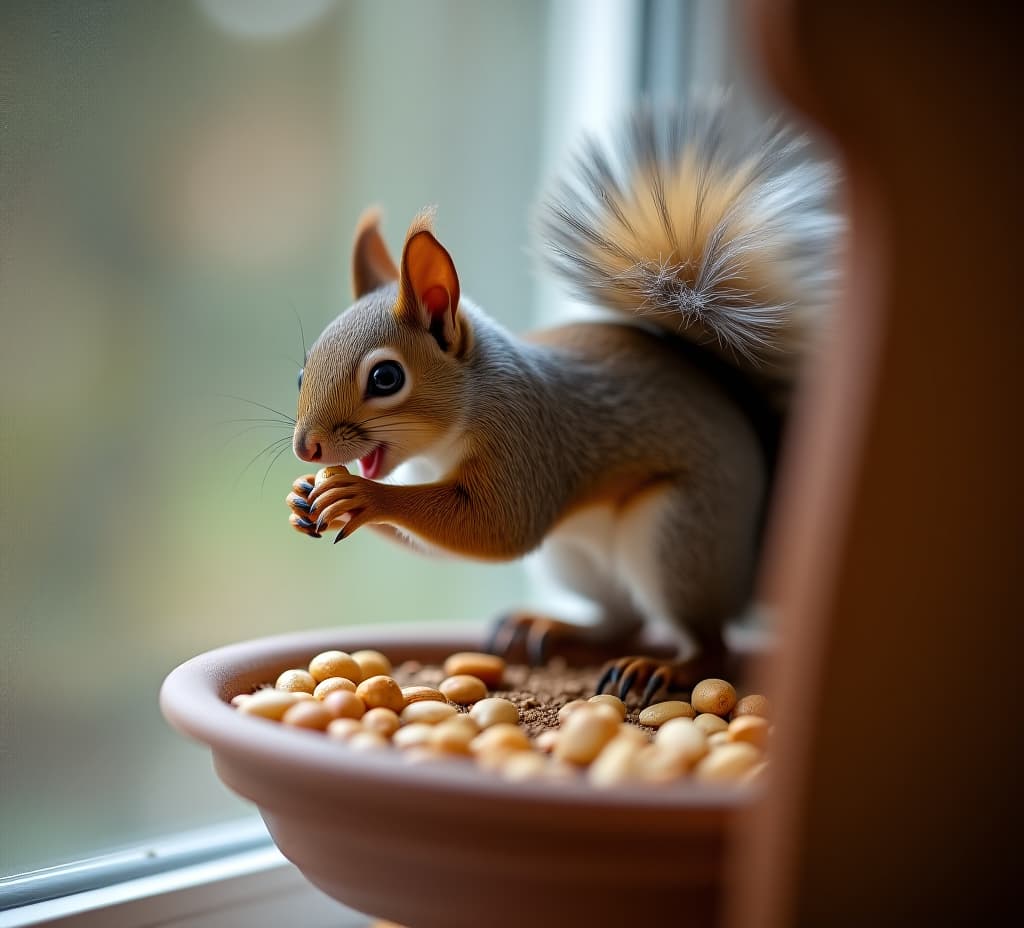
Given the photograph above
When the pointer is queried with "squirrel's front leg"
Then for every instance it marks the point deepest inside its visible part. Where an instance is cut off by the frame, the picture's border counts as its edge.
(448, 515)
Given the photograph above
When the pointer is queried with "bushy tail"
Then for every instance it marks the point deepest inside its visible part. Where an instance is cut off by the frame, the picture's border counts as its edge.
(719, 233)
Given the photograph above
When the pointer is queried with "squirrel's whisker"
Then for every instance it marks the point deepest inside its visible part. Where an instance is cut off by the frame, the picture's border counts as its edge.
(242, 399)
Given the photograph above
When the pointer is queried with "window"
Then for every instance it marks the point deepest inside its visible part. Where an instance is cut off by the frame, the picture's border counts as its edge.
(179, 187)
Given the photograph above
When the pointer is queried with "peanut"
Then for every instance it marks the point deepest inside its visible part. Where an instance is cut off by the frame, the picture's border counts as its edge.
(367, 741)
(728, 763)
(606, 699)
(493, 711)
(709, 723)
(296, 681)
(750, 728)
(683, 737)
(343, 729)
(657, 715)
(503, 736)
(754, 704)
(308, 714)
(331, 684)
(714, 696)
(344, 705)
(583, 735)
(452, 736)
(422, 694)
(335, 664)
(463, 689)
(409, 736)
(269, 704)
(569, 708)
(486, 667)
(617, 762)
(372, 663)
(429, 712)
(381, 691)
(383, 721)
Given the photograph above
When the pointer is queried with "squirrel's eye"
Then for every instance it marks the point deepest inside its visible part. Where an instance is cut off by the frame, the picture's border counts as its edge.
(300, 378)
(385, 379)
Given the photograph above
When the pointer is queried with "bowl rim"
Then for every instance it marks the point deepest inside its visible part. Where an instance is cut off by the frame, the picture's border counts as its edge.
(192, 700)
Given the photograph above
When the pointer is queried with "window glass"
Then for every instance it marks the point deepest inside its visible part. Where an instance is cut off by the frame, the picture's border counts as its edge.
(180, 182)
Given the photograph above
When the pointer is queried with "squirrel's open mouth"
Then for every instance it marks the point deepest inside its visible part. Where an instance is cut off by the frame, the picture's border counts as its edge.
(373, 463)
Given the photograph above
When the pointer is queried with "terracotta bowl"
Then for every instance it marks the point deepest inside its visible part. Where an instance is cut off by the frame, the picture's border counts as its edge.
(444, 844)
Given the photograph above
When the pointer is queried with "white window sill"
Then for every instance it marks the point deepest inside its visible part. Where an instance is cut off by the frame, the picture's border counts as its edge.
(257, 887)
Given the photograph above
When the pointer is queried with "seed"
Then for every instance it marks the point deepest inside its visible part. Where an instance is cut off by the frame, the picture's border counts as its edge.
(344, 728)
(755, 704)
(709, 723)
(728, 763)
(372, 663)
(616, 763)
(331, 684)
(296, 681)
(381, 691)
(583, 735)
(269, 704)
(236, 701)
(523, 765)
(494, 711)
(750, 728)
(503, 736)
(657, 715)
(463, 689)
(713, 695)
(683, 737)
(367, 741)
(609, 712)
(606, 699)
(383, 721)
(634, 734)
(429, 712)
(422, 754)
(325, 473)
(717, 738)
(409, 736)
(569, 708)
(546, 740)
(486, 667)
(453, 736)
(657, 763)
(335, 664)
(422, 694)
(308, 714)
(344, 705)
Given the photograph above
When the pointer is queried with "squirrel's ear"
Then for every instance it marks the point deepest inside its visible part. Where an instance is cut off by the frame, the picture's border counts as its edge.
(372, 266)
(429, 294)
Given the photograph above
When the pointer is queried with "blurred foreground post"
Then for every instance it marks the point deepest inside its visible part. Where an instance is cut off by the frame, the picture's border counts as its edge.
(895, 794)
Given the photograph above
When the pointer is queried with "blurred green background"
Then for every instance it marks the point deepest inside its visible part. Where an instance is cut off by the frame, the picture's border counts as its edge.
(179, 185)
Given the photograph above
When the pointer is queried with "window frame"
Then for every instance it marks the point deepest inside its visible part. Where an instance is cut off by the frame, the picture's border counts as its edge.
(230, 868)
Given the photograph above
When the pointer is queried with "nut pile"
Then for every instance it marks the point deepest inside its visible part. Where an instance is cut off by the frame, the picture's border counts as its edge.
(475, 707)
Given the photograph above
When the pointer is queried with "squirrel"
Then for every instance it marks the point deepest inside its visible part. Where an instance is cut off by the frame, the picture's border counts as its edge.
(634, 452)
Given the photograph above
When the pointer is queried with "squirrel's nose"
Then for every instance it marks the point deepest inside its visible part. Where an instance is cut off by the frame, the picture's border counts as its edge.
(306, 446)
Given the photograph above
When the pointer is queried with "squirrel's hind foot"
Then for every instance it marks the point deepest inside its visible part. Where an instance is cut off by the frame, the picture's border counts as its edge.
(653, 677)
(535, 638)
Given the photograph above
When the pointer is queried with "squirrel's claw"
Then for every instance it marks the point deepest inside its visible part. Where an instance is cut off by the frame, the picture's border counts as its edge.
(303, 525)
(624, 674)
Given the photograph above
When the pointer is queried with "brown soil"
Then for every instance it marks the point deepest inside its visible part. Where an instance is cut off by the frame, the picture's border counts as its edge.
(538, 692)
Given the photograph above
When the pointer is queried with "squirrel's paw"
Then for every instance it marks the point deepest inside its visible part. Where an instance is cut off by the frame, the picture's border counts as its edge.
(627, 675)
(537, 637)
(652, 677)
(344, 501)
(298, 502)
